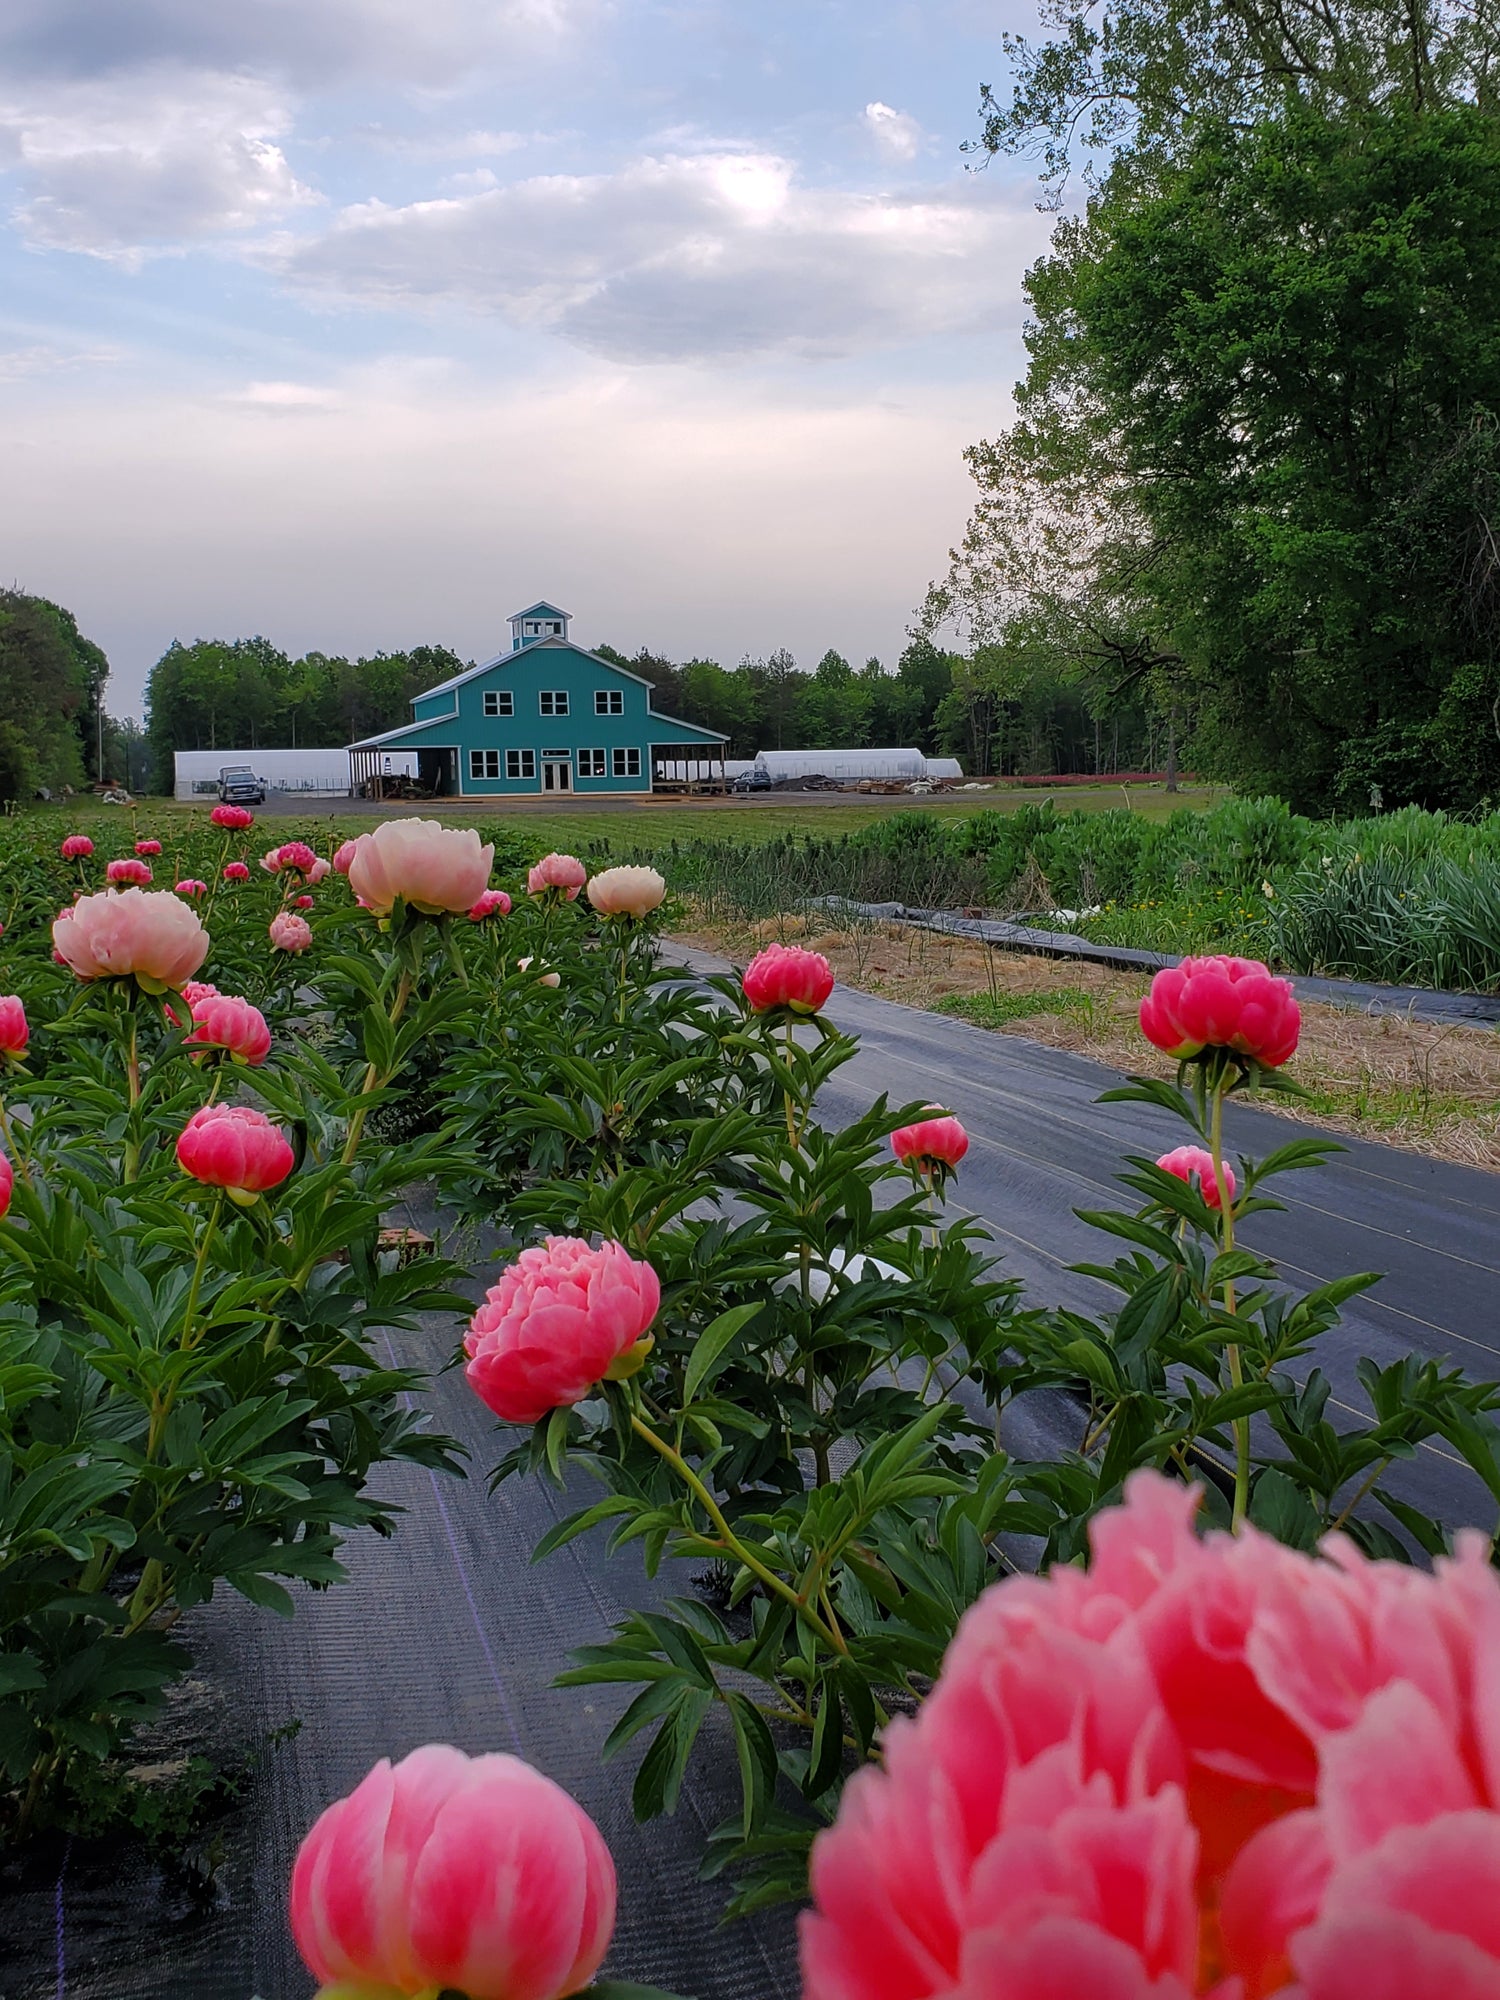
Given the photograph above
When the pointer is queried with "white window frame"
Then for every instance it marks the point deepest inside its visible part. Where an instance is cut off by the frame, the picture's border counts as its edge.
(556, 696)
(484, 764)
(520, 765)
(499, 701)
(593, 764)
(626, 763)
(609, 701)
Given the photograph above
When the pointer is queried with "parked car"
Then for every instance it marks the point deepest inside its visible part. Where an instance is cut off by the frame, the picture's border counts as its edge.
(753, 781)
(239, 786)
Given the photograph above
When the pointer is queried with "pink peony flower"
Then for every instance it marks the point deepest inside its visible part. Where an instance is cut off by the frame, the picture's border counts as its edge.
(626, 892)
(784, 975)
(7, 1184)
(343, 856)
(937, 1141)
(1224, 1003)
(77, 847)
(234, 1147)
(289, 932)
(319, 869)
(302, 902)
(148, 847)
(438, 870)
(233, 819)
(1195, 1166)
(190, 886)
(542, 978)
(447, 1872)
(15, 1033)
(293, 855)
(131, 873)
(1215, 1767)
(236, 871)
(563, 1317)
(199, 989)
(493, 903)
(564, 872)
(224, 1021)
(151, 936)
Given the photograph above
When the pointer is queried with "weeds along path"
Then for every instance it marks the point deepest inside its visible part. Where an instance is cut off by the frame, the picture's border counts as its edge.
(1040, 1147)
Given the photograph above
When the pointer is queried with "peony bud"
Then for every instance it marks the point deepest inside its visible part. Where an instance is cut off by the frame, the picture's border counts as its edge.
(564, 872)
(224, 1021)
(127, 873)
(233, 819)
(455, 1874)
(234, 1147)
(190, 886)
(939, 1142)
(343, 856)
(148, 847)
(289, 932)
(77, 847)
(626, 892)
(14, 1031)
(493, 903)
(236, 871)
(563, 1317)
(1195, 1166)
(786, 976)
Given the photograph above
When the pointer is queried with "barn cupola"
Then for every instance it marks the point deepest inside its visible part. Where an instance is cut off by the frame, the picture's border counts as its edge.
(535, 623)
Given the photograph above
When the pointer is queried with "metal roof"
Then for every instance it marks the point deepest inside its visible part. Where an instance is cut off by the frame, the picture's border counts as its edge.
(541, 604)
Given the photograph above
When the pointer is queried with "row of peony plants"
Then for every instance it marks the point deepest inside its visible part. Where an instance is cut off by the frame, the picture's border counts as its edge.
(760, 1335)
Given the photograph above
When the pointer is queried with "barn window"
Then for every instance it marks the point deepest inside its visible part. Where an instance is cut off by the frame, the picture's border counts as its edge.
(553, 701)
(627, 763)
(499, 701)
(519, 764)
(609, 701)
(591, 764)
(484, 763)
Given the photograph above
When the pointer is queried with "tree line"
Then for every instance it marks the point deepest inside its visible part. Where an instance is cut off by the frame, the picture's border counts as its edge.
(53, 731)
(1254, 476)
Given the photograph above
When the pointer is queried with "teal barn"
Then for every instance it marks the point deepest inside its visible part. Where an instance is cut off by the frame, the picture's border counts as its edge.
(544, 717)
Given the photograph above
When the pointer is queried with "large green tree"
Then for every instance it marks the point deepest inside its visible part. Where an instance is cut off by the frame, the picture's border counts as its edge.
(51, 696)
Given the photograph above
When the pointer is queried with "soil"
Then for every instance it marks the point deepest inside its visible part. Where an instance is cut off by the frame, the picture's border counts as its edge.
(1430, 1088)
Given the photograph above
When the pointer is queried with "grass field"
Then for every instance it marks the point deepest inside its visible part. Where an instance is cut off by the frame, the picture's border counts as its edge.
(643, 825)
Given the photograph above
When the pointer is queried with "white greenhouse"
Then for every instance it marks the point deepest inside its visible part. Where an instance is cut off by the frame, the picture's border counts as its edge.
(309, 773)
(844, 767)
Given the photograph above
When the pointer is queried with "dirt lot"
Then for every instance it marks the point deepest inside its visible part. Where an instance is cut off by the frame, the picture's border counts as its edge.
(1432, 1089)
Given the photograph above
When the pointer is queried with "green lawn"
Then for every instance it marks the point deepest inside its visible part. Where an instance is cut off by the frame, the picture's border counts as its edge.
(642, 825)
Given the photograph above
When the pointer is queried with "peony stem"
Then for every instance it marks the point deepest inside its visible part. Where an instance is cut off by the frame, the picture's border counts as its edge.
(830, 1636)
(373, 1080)
(1240, 1425)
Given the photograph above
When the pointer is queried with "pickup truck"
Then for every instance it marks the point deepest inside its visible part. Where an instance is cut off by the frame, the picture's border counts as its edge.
(239, 786)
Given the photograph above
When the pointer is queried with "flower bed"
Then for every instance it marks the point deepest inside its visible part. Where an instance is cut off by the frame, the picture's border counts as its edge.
(782, 1360)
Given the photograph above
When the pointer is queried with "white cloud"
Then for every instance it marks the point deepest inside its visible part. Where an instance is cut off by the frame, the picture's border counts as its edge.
(431, 44)
(47, 358)
(713, 254)
(896, 133)
(126, 167)
(284, 399)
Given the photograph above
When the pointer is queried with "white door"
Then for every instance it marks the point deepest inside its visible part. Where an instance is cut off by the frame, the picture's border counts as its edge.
(557, 776)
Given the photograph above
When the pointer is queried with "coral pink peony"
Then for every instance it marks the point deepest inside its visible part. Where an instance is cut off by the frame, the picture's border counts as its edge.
(233, 819)
(626, 892)
(557, 871)
(150, 935)
(542, 978)
(936, 1141)
(77, 847)
(224, 1021)
(234, 1147)
(303, 903)
(289, 932)
(190, 886)
(14, 1030)
(563, 1317)
(342, 856)
(1193, 1165)
(1213, 1767)
(293, 855)
(148, 847)
(236, 871)
(438, 870)
(493, 903)
(1221, 1003)
(7, 1184)
(319, 869)
(447, 1872)
(129, 873)
(784, 975)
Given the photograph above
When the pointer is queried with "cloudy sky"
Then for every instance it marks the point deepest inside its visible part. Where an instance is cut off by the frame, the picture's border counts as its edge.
(360, 322)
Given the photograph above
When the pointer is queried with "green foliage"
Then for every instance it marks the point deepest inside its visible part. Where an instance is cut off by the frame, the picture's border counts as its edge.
(51, 685)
